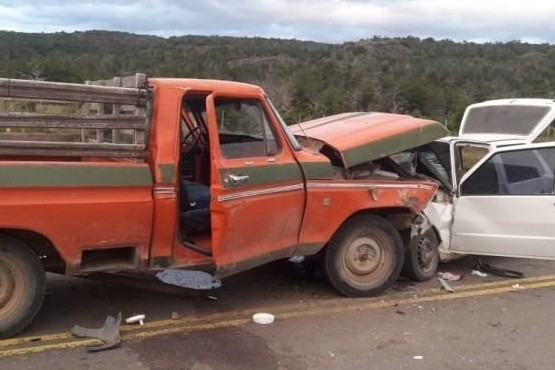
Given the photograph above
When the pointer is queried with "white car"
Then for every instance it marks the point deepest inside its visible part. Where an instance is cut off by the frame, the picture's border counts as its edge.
(497, 186)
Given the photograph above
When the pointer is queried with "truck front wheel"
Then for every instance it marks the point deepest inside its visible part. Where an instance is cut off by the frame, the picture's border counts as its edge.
(422, 257)
(364, 257)
(22, 285)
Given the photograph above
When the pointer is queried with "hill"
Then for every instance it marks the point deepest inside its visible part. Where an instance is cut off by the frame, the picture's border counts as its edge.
(422, 77)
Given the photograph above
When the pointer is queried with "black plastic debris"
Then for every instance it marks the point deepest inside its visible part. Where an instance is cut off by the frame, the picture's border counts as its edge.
(109, 334)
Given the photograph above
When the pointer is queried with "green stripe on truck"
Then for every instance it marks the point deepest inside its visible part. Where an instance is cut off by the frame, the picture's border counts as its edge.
(52, 175)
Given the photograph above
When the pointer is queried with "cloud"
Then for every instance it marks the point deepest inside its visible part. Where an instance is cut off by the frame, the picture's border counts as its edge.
(321, 20)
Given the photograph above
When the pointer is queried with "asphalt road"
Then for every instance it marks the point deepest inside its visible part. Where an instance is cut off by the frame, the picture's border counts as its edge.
(485, 324)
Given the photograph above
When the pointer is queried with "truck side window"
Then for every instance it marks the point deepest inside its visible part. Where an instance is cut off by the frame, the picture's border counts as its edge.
(244, 129)
(522, 172)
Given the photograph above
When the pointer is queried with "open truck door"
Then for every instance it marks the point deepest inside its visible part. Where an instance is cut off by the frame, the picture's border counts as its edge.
(257, 189)
(506, 205)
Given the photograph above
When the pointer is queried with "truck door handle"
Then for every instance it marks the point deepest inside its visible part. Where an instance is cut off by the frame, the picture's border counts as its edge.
(235, 180)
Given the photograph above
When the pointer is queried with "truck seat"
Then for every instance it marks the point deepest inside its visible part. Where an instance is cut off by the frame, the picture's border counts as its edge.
(197, 220)
(194, 206)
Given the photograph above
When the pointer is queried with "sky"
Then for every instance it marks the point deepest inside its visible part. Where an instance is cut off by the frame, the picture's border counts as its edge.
(319, 20)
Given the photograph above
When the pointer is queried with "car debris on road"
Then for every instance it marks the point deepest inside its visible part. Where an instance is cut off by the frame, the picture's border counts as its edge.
(109, 334)
(479, 273)
(445, 286)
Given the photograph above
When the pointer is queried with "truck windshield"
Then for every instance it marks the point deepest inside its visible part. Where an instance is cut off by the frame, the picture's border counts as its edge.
(294, 143)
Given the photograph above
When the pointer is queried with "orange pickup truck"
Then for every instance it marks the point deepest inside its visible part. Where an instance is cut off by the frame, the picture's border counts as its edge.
(200, 175)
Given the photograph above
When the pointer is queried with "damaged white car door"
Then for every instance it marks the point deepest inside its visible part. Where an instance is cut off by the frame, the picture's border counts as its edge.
(506, 204)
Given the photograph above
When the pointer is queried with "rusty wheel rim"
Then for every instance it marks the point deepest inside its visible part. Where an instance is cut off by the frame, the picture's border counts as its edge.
(11, 287)
(425, 254)
(365, 261)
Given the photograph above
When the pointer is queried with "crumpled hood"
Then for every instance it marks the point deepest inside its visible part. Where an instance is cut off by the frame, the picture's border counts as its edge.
(360, 137)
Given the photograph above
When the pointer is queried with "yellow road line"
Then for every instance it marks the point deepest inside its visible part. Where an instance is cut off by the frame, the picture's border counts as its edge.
(343, 301)
(339, 306)
(333, 301)
(47, 347)
(502, 282)
(321, 303)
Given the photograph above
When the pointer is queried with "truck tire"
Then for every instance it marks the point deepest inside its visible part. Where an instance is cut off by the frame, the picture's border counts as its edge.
(422, 257)
(364, 257)
(22, 285)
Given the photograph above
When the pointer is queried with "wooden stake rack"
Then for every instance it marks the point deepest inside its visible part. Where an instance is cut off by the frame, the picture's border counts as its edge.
(104, 120)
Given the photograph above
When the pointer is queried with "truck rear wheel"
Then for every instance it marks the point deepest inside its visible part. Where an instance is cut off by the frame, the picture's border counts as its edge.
(365, 256)
(22, 285)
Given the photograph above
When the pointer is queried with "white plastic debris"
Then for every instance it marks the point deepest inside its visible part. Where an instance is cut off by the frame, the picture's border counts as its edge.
(449, 276)
(479, 273)
(444, 285)
(517, 287)
(263, 318)
(418, 357)
(134, 319)
(297, 259)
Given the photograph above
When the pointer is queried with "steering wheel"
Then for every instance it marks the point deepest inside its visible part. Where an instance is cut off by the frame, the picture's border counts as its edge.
(194, 142)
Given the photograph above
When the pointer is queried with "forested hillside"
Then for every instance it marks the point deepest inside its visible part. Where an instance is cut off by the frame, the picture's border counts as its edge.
(305, 79)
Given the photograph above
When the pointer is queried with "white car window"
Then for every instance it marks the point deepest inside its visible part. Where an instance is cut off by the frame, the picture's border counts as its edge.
(548, 134)
(521, 172)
